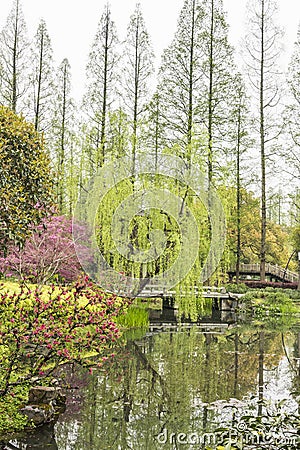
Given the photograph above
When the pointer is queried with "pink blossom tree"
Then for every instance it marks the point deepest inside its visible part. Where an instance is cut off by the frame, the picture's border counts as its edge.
(40, 330)
(49, 251)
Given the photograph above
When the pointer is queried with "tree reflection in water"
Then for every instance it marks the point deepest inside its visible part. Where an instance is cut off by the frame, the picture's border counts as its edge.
(183, 382)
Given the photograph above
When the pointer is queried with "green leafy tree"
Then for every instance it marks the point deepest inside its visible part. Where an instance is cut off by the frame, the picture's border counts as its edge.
(118, 133)
(25, 183)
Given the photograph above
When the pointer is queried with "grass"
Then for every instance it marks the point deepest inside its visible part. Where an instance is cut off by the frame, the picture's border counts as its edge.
(135, 317)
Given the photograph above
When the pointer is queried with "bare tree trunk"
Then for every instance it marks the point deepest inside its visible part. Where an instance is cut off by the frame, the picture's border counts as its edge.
(135, 105)
(37, 104)
(61, 163)
(210, 98)
(238, 198)
(105, 83)
(14, 68)
(191, 88)
(262, 150)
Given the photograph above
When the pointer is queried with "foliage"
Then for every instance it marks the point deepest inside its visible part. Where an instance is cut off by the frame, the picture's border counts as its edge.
(134, 317)
(138, 230)
(25, 188)
(271, 307)
(239, 288)
(49, 251)
(277, 239)
(272, 430)
(11, 420)
(39, 331)
(270, 296)
(296, 238)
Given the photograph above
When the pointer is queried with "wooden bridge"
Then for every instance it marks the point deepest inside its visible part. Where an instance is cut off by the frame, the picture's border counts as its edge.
(274, 272)
(206, 291)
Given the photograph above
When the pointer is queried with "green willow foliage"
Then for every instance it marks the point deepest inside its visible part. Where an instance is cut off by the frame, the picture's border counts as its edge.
(139, 235)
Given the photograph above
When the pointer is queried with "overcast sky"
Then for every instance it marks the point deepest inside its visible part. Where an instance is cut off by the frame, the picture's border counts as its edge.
(72, 24)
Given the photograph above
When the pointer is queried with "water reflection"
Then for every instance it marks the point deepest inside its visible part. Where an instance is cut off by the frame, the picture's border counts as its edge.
(189, 381)
(37, 440)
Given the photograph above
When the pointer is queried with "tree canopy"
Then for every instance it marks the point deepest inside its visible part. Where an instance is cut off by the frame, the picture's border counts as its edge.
(25, 183)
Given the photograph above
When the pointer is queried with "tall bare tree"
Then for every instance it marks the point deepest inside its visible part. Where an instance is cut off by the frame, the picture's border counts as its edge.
(102, 75)
(292, 156)
(180, 77)
(137, 71)
(262, 46)
(219, 73)
(155, 127)
(196, 82)
(41, 79)
(241, 121)
(63, 131)
(13, 59)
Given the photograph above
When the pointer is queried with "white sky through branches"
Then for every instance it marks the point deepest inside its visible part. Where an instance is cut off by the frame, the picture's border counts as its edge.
(72, 25)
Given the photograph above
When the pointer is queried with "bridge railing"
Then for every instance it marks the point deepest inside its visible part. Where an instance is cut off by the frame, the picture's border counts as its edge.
(152, 290)
(156, 287)
(270, 269)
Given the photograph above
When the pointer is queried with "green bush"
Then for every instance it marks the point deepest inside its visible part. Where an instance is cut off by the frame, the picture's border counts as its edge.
(239, 288)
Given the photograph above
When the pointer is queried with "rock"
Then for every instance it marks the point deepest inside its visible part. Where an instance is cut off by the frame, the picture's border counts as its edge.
(44, 404)
(44, 395)
(38, 414)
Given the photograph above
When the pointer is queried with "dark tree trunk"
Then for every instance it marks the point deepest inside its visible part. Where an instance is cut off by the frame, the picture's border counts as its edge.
(262, 150)
(38, 97)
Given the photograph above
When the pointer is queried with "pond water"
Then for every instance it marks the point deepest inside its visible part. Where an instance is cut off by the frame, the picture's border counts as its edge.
(177, 386)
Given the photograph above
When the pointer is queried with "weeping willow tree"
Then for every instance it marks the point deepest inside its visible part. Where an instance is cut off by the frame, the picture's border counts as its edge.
(139, 258)
(154, 232)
